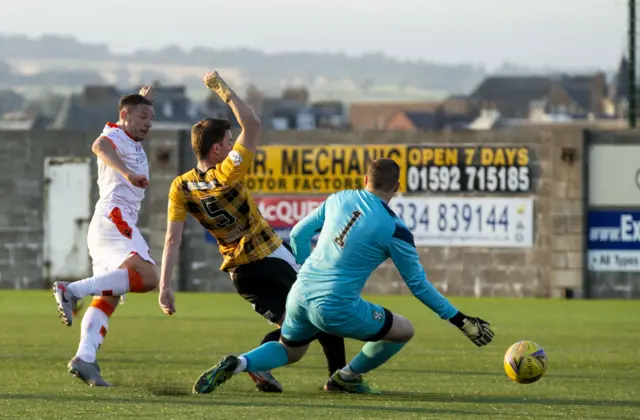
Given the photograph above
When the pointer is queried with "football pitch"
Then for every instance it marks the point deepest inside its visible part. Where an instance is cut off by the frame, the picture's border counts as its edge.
(153, 359)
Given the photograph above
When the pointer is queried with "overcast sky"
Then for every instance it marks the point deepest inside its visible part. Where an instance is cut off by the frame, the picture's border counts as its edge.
(567, 33)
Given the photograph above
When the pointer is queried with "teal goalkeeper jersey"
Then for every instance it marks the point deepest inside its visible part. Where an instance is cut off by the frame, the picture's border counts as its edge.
(358, 232)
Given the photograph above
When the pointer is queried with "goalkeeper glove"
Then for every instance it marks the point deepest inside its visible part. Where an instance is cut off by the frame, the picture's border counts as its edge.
(217, 84)
(475, 329)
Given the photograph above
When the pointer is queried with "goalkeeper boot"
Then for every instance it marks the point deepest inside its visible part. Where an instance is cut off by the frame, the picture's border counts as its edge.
(211, 379)
(66, 302)
(265, 381)
(89, 373)
(355, 386)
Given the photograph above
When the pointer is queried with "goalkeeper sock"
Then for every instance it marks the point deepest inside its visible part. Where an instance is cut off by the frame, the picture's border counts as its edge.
(114, 283)
(373, 355)
(347, 374)
(93, 329)
(333, 347)
(268, 356)
(242, 365)
(272, 336)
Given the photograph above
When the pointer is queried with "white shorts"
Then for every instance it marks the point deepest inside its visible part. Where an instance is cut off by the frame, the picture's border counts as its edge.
(283, 253)
(113, 237)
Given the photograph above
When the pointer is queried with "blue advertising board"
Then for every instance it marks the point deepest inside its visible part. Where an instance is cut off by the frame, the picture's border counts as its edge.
(614, 240)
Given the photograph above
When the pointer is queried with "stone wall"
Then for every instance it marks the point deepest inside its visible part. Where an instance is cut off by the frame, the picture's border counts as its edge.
(555, 261)
(554, 264)
(22, 155)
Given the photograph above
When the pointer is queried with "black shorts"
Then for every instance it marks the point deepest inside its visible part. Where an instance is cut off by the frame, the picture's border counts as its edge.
(265, 284)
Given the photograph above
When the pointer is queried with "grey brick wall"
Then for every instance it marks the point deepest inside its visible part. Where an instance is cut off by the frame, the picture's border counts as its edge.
(22, 155)
(553, 264)
(496, 272)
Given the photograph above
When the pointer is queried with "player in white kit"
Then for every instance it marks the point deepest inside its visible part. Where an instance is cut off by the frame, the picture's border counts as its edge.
(121, 259)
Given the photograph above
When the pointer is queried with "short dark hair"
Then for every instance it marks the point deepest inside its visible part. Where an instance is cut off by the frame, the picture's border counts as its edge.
(205, 133)
(133, 99)
(383, 174)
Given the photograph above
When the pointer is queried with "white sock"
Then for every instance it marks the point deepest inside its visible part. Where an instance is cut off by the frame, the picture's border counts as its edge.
(113, 283)
(241, 366)
(95, 324)
(347, 374)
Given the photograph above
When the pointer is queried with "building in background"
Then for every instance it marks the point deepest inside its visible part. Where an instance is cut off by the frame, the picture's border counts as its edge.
(96, 104)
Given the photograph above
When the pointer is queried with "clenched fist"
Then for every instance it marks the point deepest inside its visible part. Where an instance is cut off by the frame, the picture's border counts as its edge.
(138, 180)
(167, 301)
(217, 84)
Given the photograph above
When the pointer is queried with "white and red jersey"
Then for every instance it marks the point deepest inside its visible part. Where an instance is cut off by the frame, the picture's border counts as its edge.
(113, 234)
(116, 190)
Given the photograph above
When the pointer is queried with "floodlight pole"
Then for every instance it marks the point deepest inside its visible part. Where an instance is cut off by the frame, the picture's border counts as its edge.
(632, 64)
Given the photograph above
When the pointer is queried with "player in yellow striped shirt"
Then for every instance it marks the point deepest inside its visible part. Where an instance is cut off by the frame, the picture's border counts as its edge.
(261, 265)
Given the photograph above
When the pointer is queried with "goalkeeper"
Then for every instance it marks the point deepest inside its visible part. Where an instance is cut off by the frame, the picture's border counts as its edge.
(358, 232)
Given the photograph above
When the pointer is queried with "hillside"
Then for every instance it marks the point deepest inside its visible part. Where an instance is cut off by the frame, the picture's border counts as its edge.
(327, 75)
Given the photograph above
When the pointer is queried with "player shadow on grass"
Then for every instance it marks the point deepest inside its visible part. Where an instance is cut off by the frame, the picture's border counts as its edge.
(181, 362)
(221, 400)
(178, 390)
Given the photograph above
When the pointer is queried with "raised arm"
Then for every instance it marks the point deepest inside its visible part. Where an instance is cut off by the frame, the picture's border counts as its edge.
(247, 118)
(304, 231)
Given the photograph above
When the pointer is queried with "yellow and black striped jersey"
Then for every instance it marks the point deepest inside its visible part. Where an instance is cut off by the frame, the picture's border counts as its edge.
(222, 204)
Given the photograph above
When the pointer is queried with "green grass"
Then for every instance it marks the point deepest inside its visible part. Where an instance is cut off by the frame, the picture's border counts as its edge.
(593, 348)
